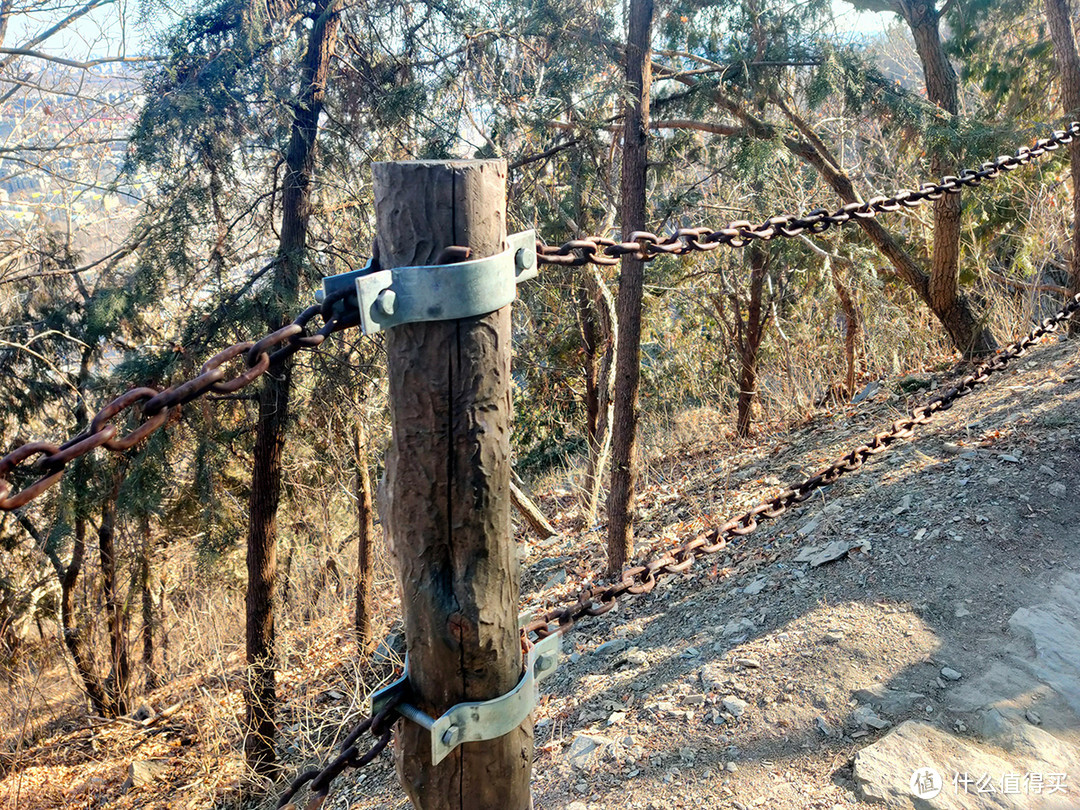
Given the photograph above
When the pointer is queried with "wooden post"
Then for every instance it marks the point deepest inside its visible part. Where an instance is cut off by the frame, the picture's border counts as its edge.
(445, 497)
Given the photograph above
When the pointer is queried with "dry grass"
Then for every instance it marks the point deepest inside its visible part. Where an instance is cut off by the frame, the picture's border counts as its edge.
(55, 756)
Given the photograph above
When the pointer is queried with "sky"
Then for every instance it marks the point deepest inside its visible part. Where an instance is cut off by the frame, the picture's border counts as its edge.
(864, 23)
(114, 29)
(111, 30)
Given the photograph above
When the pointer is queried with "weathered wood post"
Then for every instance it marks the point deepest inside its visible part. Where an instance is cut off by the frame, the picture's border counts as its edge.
(445, 497)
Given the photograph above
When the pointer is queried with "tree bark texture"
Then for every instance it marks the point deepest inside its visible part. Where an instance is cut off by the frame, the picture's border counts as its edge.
(74, 639)
(750, 345)
(274, 395)
(146, 598)
(540, 525)
(952, 309)
(1059, 20)
(588, 323)
(852, 326)
(445, 499)
(365, 528)
(631, 281)
(119, 663)
(602, 306)
(261, 694)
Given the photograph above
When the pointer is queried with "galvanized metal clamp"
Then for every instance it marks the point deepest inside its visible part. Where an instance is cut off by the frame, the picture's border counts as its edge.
(388, 298)
(482, 720)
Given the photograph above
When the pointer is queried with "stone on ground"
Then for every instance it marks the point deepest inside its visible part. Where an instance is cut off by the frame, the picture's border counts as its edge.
(584, 750)
(1012, 738)
(883, 771)
(1053, 629)
(144, 771)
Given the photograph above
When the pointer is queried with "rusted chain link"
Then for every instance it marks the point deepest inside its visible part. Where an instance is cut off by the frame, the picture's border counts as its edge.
(349, 756)
(647, 246)
(156, 407)
(643, 578)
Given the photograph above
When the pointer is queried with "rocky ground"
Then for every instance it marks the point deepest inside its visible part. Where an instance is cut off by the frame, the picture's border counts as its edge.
(920, 618)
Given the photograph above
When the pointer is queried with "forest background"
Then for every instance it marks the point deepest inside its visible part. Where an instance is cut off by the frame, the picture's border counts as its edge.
(176, 179)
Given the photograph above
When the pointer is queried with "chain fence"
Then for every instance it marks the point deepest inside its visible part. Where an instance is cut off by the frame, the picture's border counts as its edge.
(156, 407)
(152, 409)
(349, 755)
(739, 233)
(642, 578)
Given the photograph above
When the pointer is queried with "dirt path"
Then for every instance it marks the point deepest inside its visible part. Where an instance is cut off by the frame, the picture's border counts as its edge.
(758, 689)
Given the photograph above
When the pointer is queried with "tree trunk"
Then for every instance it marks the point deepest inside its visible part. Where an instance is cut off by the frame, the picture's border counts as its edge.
(1059, 19)
(588, 322)
(75, 640)
(532, 514)
(73, 637)
(274, 394)
(152, 681)
(117, 696)
(952, 309)
(628, 352)
(940, 291)
(162, 596)
(365, 527)
(603, 306)
(852, 327)
(445, 499)
(67, 577)
(284, 575)
(751, 343)
(261, 694)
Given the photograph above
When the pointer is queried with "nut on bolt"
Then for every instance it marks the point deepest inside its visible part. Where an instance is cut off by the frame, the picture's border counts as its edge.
(524, 259)
(386, 301)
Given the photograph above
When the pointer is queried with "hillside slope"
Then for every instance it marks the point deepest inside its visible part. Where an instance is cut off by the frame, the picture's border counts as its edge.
(947, 636)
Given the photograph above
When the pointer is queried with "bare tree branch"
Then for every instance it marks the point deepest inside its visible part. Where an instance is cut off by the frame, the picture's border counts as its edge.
(60, 60)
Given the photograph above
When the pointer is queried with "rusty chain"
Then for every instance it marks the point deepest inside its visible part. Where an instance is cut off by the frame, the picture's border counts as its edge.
(349, 756)
(157, 407)
(642, 578)
(647, 246)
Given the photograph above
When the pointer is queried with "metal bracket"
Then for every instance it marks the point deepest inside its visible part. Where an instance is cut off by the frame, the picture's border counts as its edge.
(483, 720)
(333, 284)
(389, 298)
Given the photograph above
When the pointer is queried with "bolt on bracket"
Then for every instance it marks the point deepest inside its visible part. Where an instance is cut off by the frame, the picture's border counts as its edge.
(482, 720)
(388, 298)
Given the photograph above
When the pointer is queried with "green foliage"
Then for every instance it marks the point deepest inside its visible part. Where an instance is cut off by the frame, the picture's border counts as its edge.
(1002, 47)
(210, 92)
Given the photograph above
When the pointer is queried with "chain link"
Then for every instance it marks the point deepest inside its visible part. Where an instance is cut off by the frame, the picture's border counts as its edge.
(642, 578)
(349, 756)
(155, 408)
(647, 246)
